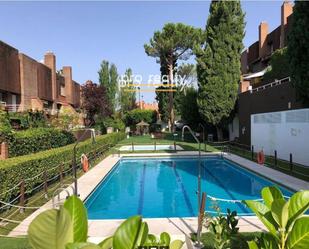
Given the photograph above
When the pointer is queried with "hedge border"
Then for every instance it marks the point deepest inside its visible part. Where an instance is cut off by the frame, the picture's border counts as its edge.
(13, 170)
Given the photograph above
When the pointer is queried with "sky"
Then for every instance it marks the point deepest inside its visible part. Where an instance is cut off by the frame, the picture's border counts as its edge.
(82, 34)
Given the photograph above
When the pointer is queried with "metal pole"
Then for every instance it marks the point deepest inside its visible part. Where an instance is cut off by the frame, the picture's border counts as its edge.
(199, 178)
(275, 157)
(74, 160)
(22, 196)
(291, 162)
(200, 219)
(252, 152)
(75, 171)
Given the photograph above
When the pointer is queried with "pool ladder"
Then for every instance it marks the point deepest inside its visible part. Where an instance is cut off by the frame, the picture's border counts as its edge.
(57, 193)
(198, 179)
(225, 150)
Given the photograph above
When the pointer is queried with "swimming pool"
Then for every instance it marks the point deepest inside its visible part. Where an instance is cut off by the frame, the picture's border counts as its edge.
(166, 187)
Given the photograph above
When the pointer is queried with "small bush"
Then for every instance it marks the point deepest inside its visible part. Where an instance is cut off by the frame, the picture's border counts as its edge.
(5, 126)
(13, 170)
(137, 115)
(37, 139)
(116, 123)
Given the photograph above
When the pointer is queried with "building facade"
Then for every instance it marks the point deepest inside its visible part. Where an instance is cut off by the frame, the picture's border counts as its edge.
(26, 84)
(255, 95)
(148, 106)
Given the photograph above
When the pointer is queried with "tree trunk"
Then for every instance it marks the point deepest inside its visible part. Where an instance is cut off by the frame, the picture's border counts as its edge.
(219, 133)
(171, 97)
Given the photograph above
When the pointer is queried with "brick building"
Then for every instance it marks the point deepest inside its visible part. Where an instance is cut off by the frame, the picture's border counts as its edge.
(255, 95)
(28, 84)
(148, 106)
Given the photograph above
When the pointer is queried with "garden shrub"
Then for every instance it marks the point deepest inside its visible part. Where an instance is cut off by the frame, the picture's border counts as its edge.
(67, 118)
(13, 170)
(116, 123)
(5, 125)
(37, 139)
(137, 115)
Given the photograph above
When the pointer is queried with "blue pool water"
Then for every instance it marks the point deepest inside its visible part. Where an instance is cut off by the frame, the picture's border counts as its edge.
(162, 187)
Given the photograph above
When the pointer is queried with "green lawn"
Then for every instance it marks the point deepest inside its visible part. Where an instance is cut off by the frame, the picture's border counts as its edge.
(188, 144)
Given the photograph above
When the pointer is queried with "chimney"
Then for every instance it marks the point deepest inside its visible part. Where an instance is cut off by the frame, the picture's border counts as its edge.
(263, 32)
(50, 61)
(286, 11)
(69, 85)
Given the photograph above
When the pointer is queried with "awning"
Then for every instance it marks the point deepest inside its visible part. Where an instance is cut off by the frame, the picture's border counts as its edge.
(255, 75)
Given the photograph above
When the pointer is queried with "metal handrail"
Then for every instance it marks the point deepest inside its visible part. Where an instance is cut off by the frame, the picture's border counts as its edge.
(198, 178)
(203, 127)
(272, 84)
(59, 190)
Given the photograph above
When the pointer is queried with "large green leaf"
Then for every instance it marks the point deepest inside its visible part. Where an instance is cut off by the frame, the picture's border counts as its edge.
(51, 229)
(280, 212)
(176, 244)
(78, 214)
(165, 239)
(151, 239)
(142, 235)
(107, 243)
(269, 241)
(270, 194)
(252, 245)
(127, 233)
(264, 214)
(299, 236)
(298, 205)
(83, 245)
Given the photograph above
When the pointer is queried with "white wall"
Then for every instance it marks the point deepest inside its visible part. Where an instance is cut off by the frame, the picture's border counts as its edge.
(287, 132)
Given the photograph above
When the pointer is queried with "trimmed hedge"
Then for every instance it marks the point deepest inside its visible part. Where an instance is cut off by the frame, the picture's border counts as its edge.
(13, 170)
(37, 139)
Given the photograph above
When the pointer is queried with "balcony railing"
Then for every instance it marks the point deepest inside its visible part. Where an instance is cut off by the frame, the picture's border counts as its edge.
(272, 84)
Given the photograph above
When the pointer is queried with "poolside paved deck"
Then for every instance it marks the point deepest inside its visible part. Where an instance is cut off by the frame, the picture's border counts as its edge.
(178, 227)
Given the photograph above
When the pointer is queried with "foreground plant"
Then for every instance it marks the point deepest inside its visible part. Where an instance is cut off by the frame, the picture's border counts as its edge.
(288, 227)
(223, 228)
(67, 228)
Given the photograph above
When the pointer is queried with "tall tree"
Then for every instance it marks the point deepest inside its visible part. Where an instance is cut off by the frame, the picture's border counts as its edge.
(188, 74)
(127, 93)
(218, 61)
(174, 42)
(95, 101)
(187, 106)
(108, 78)
(113, 85)
(298, 50)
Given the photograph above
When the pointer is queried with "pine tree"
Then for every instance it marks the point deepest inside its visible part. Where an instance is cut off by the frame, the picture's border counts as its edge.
(298, 50)
(218, 61)
(174, 42)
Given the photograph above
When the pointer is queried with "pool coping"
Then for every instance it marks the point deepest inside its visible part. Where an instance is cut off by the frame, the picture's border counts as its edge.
(175, 226)
(178, 148)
